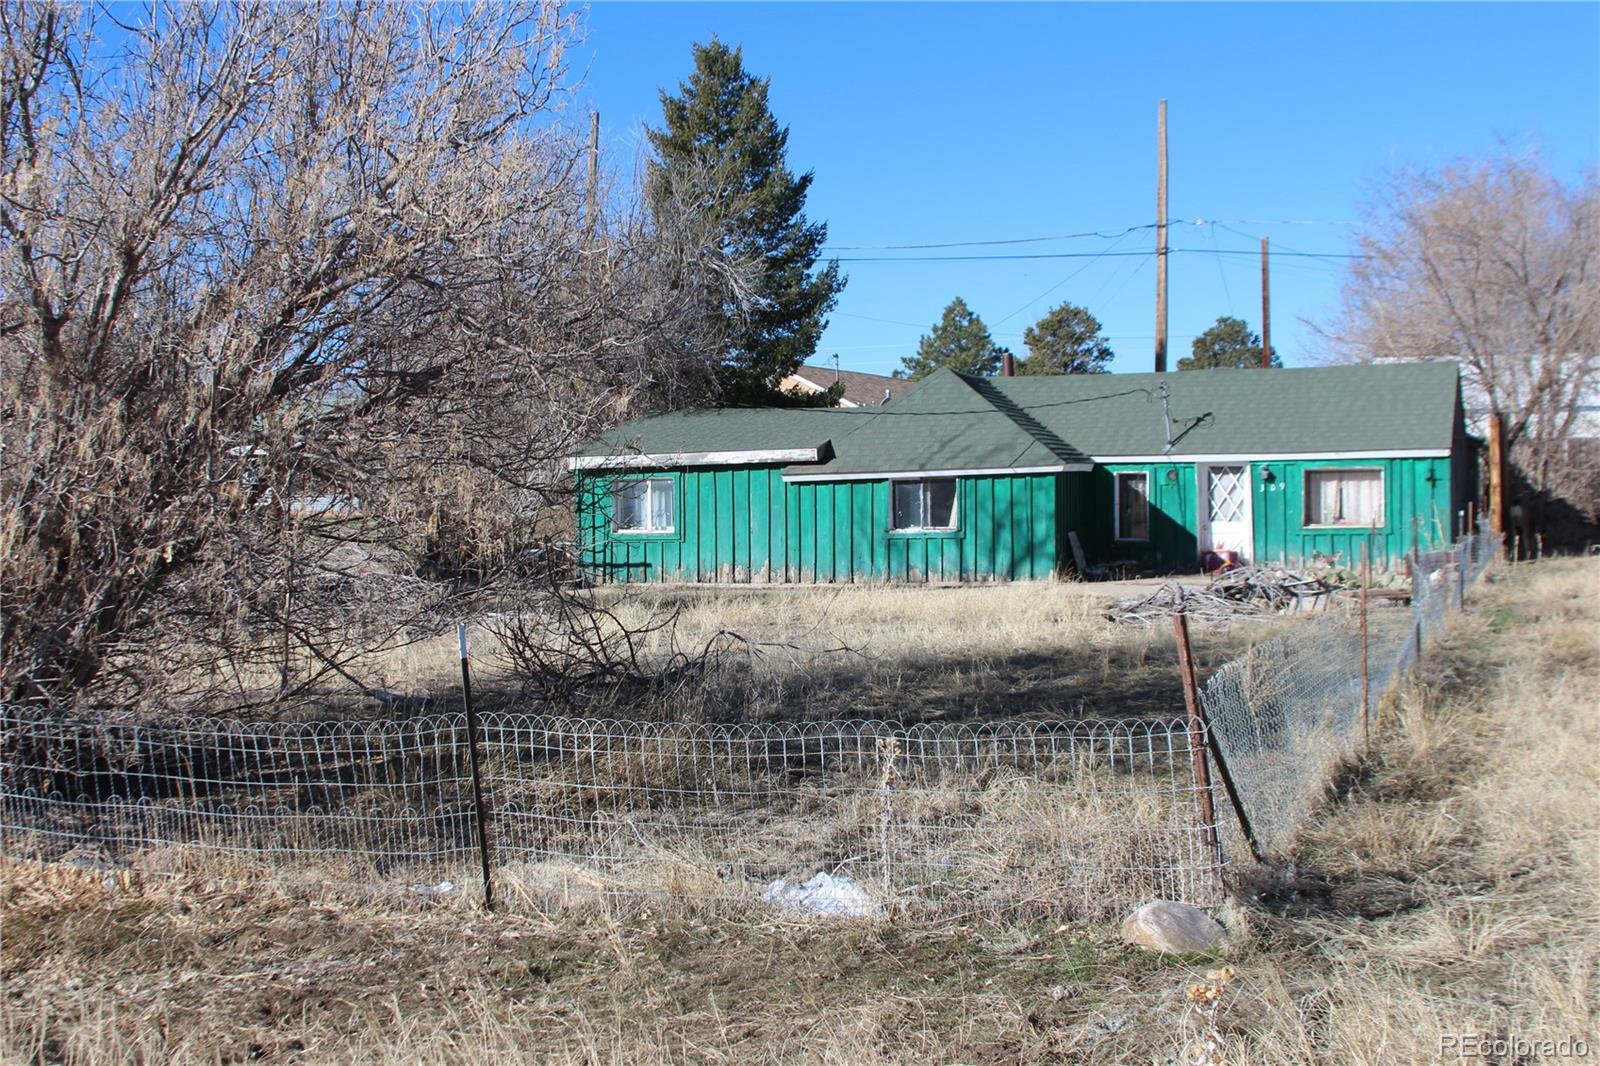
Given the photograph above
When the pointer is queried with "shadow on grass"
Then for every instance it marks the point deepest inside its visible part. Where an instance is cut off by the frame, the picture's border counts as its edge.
(1136, 676)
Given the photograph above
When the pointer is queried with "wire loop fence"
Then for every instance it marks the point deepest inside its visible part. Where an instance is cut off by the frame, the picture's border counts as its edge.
(1028, 817)
(1051, 819)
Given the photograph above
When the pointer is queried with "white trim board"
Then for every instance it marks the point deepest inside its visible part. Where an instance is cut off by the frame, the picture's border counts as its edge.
(811, 455)
(667, 459)
(1274, 457)
(913, 475)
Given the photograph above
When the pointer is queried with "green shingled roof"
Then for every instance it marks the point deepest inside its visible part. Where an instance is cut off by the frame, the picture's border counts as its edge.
(1384, 407)
(954, 422)
(948, 422)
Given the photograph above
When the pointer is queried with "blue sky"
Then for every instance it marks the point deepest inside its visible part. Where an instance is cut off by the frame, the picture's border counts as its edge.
(933, 123)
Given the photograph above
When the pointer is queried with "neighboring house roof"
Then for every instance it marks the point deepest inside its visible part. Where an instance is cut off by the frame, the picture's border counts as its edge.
(954, 423)
(860, 390)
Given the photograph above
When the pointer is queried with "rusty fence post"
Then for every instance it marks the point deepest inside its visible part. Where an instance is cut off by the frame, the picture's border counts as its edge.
(1201, 740)
(480, 815)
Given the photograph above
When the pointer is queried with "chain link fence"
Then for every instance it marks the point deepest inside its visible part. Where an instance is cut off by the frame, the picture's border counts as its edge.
(1292, 710)
(1044, 818)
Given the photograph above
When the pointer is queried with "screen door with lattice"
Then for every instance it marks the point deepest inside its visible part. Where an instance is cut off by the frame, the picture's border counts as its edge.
(1225, 498)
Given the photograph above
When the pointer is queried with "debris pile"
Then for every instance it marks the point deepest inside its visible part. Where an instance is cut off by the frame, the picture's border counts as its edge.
(1272, 588)
(1247, 590)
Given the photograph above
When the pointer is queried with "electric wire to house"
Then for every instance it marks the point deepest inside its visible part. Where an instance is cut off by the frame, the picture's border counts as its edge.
(1014, 257)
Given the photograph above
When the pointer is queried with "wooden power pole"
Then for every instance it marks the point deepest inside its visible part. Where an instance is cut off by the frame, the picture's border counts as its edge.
(592, 191)
(1497, 475)
(1161, 238)
(1266, 312)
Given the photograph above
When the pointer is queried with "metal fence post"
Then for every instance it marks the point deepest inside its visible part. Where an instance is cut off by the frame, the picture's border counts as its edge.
(1419, 589)
(1202, 738)
(480, 817)
(1366, 689)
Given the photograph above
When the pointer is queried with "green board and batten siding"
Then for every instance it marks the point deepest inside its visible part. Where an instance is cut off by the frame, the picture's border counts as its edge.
(1417, 511)
(746, 524)
(1035, 458)
(1421, 509)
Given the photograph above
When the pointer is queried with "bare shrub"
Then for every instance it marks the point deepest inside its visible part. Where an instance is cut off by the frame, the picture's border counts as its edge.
(296, 302)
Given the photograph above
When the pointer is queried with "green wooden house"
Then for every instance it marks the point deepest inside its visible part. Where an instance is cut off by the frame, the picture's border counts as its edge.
(985, 479)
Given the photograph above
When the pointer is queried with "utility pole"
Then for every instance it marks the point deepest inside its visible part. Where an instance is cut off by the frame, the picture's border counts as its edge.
(1161, 238)
(1497, 476)
(591, 202)
(1266, 312)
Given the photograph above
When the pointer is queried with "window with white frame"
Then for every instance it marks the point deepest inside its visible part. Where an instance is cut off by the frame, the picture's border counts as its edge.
(929, 504)
(1133, 505)
(642, 505)
(1344, 497)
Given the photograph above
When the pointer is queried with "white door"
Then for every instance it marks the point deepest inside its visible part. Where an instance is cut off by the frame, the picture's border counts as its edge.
(1225, 516)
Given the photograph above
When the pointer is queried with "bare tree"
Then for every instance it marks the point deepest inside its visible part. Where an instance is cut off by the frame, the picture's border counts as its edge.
(1494, 264)
(294, 299)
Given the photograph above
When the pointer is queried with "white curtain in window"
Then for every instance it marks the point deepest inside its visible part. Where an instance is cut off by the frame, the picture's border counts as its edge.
(940, 509)
(1344, 497)
(660, 504)
(1328, 485)
(1362, 497)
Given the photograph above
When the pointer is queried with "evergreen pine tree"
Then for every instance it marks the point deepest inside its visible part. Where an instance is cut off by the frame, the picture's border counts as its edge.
(1227, 345)
(721, 139)
(959, 341)
(1068, 340)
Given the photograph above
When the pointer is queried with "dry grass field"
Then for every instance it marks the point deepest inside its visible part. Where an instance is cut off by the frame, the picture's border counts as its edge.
(1451, 889)
(1034, 650)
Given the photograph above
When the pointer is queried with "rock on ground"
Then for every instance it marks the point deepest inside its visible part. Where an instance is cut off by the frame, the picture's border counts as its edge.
(1174, 928)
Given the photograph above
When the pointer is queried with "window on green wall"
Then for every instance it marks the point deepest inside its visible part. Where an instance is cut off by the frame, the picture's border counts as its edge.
(929, 504)
(1133, 506)
(1344, 497)
(642, 505)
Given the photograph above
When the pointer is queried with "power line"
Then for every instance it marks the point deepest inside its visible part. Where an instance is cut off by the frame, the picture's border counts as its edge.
(1226, 292)
(977, 244)
(1272, 222)
(887, 321)
(1275, 254)
(885, 412)
(1081, 255)
(1087, 234)
(1063, 281)
(980, 258)
(1138, 269)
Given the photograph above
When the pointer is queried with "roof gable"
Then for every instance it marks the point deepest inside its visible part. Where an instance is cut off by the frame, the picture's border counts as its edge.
(947, 422)
(1398, 407)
